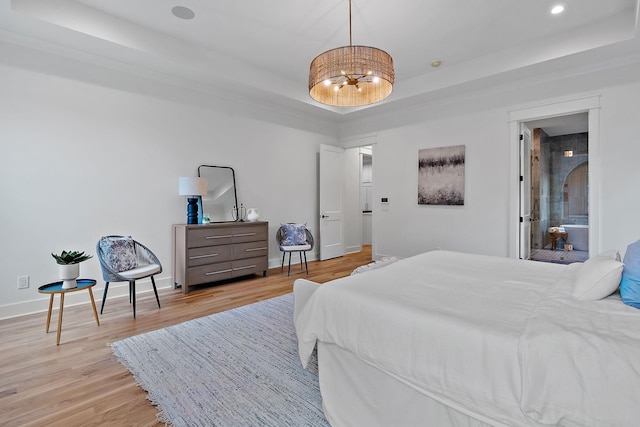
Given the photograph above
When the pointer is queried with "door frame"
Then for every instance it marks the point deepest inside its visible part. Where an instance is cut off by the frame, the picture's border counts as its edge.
(588, 104)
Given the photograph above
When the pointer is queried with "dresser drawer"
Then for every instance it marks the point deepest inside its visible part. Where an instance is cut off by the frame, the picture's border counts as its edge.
(210, 273)
(209, 255)
(250, 250)
(249, 233)
(208, 236)
(249, 266)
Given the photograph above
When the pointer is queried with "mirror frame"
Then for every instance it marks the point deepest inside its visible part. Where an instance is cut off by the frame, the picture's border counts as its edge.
(235, 195)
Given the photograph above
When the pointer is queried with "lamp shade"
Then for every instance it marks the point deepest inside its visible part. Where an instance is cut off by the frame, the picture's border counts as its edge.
(192, 186)
(351, 76)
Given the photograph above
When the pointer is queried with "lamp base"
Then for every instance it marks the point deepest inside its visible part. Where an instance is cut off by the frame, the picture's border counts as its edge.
(192, 210)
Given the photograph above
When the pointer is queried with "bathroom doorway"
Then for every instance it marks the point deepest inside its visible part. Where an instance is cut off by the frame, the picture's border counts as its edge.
(560, 189)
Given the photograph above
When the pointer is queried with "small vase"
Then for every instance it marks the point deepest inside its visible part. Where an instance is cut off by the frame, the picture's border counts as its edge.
(68, 274)
(253, 214)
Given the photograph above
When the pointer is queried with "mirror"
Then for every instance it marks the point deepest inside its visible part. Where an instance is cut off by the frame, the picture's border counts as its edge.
(221, 198)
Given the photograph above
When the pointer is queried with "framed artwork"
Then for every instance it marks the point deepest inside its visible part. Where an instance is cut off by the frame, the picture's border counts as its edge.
(441, 176)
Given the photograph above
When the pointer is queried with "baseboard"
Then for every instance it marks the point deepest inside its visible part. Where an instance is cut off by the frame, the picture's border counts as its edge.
(116, 290)
(354, 249)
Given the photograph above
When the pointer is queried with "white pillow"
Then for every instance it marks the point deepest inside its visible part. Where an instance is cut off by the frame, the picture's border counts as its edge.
(598, 278)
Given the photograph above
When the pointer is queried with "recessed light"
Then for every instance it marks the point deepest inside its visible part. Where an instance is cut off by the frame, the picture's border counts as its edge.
(436, 63)
(557, 9)
(183, 12)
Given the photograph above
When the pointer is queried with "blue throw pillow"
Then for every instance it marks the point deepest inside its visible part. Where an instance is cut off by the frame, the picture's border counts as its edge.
(294, 234)
(630, 283)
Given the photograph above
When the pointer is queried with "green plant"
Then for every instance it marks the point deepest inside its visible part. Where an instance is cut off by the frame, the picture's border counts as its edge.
(71, 257)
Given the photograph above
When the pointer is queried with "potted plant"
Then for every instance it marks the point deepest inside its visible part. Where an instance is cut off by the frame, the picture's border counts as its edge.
(69, 267)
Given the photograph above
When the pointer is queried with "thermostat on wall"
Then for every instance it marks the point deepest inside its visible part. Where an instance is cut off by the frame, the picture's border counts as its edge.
(384, 200)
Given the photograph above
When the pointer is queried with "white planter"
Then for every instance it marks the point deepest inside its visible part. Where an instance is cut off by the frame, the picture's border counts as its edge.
(68, 274)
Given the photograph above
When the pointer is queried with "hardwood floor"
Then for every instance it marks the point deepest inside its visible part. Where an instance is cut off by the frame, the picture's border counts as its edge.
(80, 383)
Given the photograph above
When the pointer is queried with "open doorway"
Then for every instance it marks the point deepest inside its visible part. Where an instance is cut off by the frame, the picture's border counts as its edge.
(559, 189)
(358, 199)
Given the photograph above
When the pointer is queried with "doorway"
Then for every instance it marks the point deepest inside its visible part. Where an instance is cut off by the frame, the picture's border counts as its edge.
(559, 189)
(589, 105)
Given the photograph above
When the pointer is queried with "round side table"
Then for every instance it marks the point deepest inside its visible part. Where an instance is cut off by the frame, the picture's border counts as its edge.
(56, 288)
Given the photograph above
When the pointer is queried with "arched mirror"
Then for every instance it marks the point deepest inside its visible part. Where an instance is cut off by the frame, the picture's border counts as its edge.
(221, 200)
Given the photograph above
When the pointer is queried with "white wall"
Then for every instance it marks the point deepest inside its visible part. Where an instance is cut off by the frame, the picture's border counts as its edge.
(480, 122)
(405, 228)
(81, 160)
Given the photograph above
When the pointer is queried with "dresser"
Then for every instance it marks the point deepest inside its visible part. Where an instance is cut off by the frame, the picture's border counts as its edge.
(206, 253)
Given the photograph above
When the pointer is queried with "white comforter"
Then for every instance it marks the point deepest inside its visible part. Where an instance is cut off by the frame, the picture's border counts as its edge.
(496, 338)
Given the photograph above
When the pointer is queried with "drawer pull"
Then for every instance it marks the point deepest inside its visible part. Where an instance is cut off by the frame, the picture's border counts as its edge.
(244, 234)
(202, 256)
(244, 268)
(218, 237)
(255, 249)
(218, 272)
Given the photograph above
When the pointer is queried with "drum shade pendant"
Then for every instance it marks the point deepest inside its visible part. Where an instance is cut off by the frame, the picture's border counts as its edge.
(351, 76)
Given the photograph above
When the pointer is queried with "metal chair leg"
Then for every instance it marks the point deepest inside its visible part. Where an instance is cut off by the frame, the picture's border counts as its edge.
(289, 270)
(132, 286)
(104, 296)
(155, 291)
(282, 265)
(300, 255)
(305, 262)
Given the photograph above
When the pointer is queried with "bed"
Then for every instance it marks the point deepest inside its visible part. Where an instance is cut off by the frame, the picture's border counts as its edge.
(453, 339)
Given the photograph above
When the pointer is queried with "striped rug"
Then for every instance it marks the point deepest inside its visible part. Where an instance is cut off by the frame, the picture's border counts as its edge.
(235, 368)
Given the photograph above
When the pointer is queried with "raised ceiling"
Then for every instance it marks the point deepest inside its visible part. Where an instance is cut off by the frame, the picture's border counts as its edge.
(263, 49)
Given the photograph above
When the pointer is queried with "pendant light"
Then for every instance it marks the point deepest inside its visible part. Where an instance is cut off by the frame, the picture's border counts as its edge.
(351, 76)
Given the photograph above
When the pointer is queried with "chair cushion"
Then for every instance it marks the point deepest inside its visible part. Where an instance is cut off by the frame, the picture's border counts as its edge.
(141, 271)
(119, 252)
(294, 234)
(295, 248)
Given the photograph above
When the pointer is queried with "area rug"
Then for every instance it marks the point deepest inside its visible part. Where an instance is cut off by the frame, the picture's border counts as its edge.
(236, 368)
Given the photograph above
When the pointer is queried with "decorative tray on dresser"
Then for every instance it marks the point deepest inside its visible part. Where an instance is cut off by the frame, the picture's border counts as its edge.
(206, 253)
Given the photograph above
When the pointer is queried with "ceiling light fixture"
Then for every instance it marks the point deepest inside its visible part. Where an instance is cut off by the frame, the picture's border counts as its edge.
(557, 9)
(351, 76)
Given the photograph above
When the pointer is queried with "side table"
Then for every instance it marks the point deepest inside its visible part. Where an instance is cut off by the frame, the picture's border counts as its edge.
(56, 288)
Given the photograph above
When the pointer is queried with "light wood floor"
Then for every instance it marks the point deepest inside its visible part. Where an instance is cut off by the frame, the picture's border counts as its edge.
(80, 383)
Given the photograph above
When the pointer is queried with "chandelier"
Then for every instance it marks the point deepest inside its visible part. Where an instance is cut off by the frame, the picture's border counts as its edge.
(351, 76)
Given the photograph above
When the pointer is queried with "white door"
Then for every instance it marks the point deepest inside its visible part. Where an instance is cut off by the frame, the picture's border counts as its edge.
(331, 224)
(525, 192)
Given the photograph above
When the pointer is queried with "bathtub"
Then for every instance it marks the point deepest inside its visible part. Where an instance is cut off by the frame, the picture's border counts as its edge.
(578, 236)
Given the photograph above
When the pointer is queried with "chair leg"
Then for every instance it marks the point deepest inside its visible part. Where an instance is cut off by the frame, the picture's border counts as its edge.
(104, 296)
(305, 262)
(289, 270)
(132, 287)
(155, 291)
(129, 292)
(282, 265)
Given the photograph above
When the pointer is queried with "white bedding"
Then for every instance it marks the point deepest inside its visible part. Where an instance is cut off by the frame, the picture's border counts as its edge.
(491, 337)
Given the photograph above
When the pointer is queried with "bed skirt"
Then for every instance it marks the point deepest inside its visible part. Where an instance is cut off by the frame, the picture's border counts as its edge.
(357, 394)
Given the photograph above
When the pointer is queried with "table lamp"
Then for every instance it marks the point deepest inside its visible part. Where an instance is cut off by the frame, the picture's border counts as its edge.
(192, 186)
